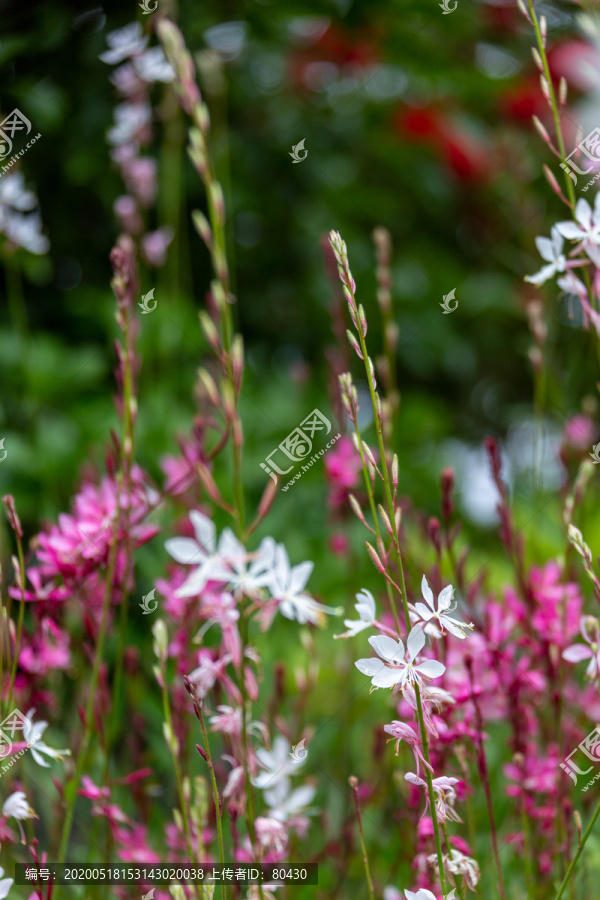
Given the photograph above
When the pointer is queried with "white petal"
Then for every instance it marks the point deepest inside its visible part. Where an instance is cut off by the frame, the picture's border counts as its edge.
(414, 779)
(424, 612)
(369, 666)
(184, 550)
(194, 583)
(230, 547)
(416, 641)
(545, 248)
(431, 668)
(387, 677)
(445, 598)
(388, 649)
(204, 529)
(583, 214)
(299, 576)
(427, 593)
(542, 276)
(365, 605)
(571, 231)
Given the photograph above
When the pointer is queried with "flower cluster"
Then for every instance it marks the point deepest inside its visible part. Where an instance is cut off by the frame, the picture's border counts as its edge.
(138, 67)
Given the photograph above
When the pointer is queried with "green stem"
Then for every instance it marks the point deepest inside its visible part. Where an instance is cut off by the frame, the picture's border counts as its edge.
(176, 767)
(354, 785)
(396, 543)
(575, 859)
(71, 789)
(215, 795)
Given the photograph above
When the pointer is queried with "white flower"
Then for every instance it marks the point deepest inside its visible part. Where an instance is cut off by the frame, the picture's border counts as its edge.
(277, 763)
(365, 607)
(26, 231)
(287, 584)
(38, 747)
(429, 612)
(443, 788)
(130, 119)
(5, 885)
(247, 579)
(152, 66)
(285, 804)
(271, 834)
(570, 284)
(14, 194)
(395, 669)
(422, 894)
(459, 864)
(203, 553)
(587, 225)
(17, 806)
(549, 249)
(123, 43)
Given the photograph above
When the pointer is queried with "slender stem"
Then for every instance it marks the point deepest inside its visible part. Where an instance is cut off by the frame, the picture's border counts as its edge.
(358, 318)
(71, 789)
(483, 772)
(354, 785)
(176, 766)
(215, 795)
(449, 849)
(396, 543)
(13, 673)
(554, 104)
(575, 859)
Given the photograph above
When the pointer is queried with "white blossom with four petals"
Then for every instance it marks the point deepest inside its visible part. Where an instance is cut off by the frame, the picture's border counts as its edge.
(550, 249)
(428, 613)
(392, 667)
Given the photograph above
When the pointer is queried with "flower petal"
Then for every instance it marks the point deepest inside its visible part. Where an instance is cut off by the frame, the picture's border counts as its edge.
(576, 652)
(184, 550)
(431, 668)
(445, 598)
(416, 641)
(204, 529)
(427, 593)
(369, 666)
(387, 648)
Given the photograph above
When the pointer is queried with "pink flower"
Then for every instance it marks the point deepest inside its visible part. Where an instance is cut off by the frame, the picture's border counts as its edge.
(47, 651)
(403, 732)
(556, 617)
(342, 465)
(154, 246)
(580, 432)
